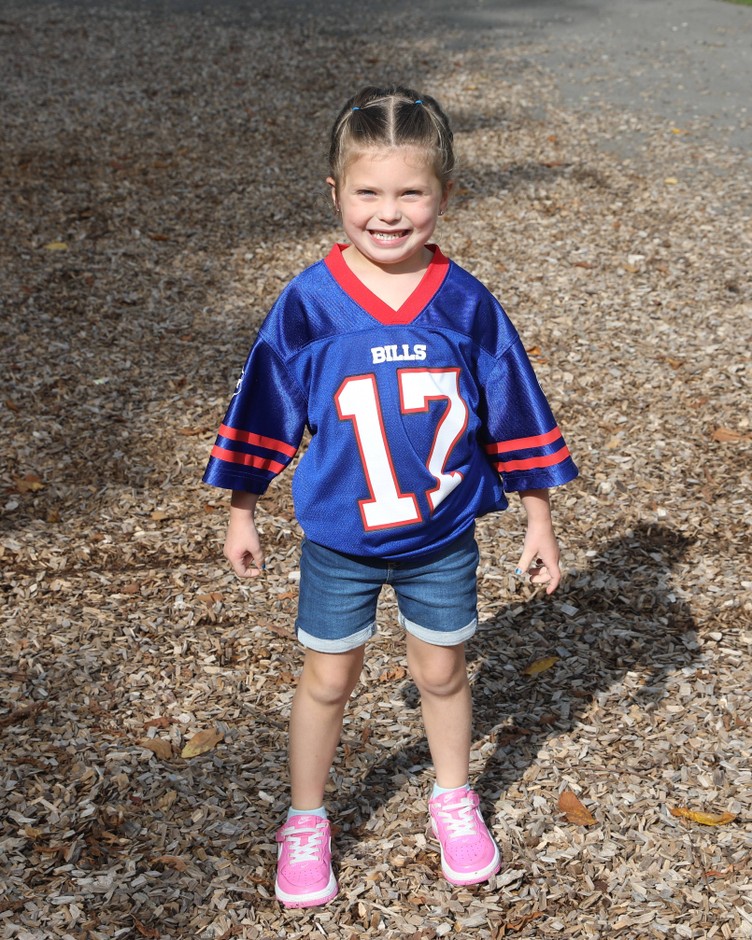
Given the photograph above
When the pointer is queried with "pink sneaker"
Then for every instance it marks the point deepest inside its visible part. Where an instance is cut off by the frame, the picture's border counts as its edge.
(469, 854)
(304, 862)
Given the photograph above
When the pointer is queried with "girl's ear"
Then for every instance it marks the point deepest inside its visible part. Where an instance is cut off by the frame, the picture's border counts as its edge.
(333, 186)
(445, 197)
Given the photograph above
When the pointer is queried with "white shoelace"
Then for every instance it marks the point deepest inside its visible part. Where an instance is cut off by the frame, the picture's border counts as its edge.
(460, 818)
(308, 852)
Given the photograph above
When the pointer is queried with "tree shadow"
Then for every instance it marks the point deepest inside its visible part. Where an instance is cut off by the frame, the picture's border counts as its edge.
(627, 621)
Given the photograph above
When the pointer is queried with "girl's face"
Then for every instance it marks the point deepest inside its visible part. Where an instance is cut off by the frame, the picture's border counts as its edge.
(390, 200)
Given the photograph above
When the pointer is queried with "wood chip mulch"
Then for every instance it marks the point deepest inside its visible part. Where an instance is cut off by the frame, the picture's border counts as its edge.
(162, 180)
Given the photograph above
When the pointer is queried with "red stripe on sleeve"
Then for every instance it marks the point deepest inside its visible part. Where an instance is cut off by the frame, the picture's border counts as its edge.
(534, 463)
(523, 443)
(248, 460)
(247, 438)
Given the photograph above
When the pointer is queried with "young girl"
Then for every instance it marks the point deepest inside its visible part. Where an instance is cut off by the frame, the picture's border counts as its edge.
(423, 409)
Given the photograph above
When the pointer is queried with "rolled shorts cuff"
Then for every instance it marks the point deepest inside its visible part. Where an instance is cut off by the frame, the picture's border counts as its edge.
(439, 637)
(341, 645)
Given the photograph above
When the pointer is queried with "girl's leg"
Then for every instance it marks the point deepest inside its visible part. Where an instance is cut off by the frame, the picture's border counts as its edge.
(324, 687)
(469, 854)
(440, 673)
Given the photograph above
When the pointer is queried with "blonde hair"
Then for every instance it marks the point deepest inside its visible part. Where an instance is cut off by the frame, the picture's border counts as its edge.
(392, 116)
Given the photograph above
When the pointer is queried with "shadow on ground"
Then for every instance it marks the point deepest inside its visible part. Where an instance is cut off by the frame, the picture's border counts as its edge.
(630, 629)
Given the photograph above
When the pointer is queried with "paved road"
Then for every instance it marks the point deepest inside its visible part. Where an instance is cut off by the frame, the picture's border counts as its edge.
(680, 59)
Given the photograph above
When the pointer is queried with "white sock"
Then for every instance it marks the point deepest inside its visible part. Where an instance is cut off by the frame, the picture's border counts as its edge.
(307, 812)
(438, 791)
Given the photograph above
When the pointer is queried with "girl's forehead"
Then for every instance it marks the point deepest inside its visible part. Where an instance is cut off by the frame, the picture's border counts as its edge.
(405, 157)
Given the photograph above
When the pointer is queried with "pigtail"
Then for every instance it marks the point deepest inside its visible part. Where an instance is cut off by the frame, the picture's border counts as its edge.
(421, 120)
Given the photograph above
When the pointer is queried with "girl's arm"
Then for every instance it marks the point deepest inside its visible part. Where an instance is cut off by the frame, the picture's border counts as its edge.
(242, 544)
(540, 542)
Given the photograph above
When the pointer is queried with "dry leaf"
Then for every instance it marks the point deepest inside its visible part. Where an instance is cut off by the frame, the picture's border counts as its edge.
(28, 484)
(56, 246)
(133, 587)
(158, 515)
(211, 598)
(160, 747)
(734, 721)
(536, 353)
(673, 362)
(540, 665)
(524, 921)
(671, 181)
(21, 714)
(726, 435)
(145, 931)
(171, 861)
(573, 809)
(202, 742)
(705, 819)
(394, 672)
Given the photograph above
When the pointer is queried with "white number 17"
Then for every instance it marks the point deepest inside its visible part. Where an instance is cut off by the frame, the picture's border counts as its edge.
(358, 401)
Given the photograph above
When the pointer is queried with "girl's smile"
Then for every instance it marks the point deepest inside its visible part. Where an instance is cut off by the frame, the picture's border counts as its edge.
(390, 200)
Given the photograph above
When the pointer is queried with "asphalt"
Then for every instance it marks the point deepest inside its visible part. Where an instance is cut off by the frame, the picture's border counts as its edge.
(683, 60)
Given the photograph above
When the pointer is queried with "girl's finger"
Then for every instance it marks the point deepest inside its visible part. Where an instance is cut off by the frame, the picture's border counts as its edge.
(523, 565)
(539, 574)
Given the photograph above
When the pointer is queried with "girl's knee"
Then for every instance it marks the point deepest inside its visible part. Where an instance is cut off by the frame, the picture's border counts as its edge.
(330, 678)
(439, 671)
(441, 684)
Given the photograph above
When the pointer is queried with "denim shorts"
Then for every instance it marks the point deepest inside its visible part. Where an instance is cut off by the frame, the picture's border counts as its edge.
(436, 596)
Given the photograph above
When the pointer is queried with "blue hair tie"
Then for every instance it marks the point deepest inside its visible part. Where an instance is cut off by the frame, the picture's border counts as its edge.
(356, 109)
(418, 101)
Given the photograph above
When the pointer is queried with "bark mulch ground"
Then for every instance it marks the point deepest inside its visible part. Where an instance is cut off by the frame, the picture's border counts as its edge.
(162, 179)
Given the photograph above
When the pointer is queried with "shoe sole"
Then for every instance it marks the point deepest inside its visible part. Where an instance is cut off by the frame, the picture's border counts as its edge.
(459, 878)
(472, 877)
(308, 900)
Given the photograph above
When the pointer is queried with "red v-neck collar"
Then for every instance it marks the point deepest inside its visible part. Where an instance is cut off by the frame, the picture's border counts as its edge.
(375, 306)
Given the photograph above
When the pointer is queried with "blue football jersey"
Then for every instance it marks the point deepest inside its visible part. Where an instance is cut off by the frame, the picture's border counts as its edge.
(420, 418)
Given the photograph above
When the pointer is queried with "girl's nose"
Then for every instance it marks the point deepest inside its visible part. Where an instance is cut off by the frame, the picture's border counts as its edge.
(389, 211)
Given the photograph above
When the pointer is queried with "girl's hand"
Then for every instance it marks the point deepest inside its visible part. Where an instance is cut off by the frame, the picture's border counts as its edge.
(242, 543)
(540, 558)
(540, 551)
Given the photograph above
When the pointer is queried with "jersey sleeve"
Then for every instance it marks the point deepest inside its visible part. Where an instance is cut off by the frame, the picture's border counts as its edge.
(262, 428)
(524, 442)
